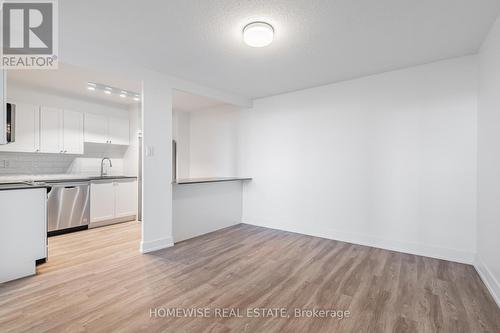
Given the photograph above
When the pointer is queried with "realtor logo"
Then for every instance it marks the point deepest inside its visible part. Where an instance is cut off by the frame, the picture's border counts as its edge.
(29, 34)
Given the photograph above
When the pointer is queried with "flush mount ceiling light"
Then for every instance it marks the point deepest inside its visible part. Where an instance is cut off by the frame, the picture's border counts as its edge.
(91, 86)
(258, 34)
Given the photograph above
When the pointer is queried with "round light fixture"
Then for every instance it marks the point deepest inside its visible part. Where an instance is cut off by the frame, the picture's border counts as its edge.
(108, 90)
(258, 34)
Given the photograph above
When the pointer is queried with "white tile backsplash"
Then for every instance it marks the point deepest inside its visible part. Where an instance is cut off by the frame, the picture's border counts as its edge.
(30, 163)
(43, 164)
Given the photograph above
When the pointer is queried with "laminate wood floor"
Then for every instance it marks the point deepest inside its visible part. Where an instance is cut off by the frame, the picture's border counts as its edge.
(97, 281)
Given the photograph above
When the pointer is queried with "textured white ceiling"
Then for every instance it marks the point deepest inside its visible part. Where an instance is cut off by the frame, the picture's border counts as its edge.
(316, 42)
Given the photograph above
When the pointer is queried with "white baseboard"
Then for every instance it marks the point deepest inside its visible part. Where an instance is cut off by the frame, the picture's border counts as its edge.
(489, 279)
(368, 240)
(112, 221)
(156, 245)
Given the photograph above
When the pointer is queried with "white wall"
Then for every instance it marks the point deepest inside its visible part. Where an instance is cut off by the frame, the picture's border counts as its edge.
(156, 164)
(89, 163)
(181, 133)
(130, 158)
(488, 249)
(207, 142)
(213, 139)
(387, 160)
(202, 208)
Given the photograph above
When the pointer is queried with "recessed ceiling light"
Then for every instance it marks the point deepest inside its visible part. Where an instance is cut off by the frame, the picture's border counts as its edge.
(91, 86)
(123, 94)
(137, 98)
(107, 90)
(258, 34)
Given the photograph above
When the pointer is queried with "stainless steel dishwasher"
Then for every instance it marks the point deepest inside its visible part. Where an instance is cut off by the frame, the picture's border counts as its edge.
(68, 207)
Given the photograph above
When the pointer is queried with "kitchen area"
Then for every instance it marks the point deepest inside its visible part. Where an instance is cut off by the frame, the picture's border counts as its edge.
(69, 160)
(71, 163)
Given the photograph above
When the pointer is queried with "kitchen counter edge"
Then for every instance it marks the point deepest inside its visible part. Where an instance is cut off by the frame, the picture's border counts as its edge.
(51, 182)
(188, 181)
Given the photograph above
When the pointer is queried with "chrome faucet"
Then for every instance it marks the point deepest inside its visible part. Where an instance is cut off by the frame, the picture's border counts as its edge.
(102, 165)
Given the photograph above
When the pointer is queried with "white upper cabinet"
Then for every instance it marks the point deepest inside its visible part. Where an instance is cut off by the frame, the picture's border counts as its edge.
(96, 128)
(72, 132)
(26, 129)
(118, 130)
(61, 131)
(110, 130)
(52, 130)
(51, 136)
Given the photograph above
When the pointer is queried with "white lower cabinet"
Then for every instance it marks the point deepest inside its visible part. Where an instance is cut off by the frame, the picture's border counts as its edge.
(23, 231)
(102, 202)
(125, 198)
(113, 201)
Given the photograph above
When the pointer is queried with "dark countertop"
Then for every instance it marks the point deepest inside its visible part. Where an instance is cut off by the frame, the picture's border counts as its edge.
(186, 181)
(21, 186)
(49, 182)
(52, 181)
